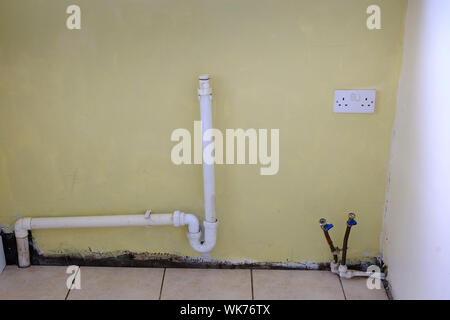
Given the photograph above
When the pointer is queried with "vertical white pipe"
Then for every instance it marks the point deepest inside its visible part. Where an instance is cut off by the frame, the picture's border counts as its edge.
(23, 252)
(205, 97)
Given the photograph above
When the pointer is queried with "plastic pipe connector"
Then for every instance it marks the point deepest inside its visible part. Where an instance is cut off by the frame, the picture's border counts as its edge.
(194, 233)
(205, 89)
(21, 227)
(181, 219)
(206, 246)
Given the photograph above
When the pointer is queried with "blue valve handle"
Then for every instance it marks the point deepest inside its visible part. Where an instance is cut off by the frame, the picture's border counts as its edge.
(327, 227)
(351, 223)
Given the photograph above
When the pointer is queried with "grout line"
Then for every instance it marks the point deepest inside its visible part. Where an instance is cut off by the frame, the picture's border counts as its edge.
(67, 294)
(251, 281)
(342, 287)
(162, 283)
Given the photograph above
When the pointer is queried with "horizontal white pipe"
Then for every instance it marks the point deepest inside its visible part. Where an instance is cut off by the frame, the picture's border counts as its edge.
(176, 219)
(102, 221)
(346, 273)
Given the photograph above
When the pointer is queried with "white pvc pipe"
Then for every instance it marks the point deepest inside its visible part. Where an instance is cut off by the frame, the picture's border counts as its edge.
(101, 221)
(176, 219)
(344, 272)
(22, 226)
(205, 97)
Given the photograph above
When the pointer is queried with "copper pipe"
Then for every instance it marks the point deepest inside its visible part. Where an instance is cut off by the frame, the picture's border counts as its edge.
(323, 225)
(350, 222)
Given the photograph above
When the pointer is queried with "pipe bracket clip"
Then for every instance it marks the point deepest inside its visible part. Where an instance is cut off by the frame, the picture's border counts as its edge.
(147, 216)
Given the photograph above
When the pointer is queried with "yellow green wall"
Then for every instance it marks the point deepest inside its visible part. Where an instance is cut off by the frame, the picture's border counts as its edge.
(86, 118)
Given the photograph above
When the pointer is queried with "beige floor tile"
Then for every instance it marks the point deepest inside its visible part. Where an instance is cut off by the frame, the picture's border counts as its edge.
(296, 285)
(207, 284)
(356, 289)
(33, 283)
(104, 283)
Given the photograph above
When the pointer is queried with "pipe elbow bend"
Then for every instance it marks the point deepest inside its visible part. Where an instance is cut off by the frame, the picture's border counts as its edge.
(182, 219)
(21, 227)
(209, 240)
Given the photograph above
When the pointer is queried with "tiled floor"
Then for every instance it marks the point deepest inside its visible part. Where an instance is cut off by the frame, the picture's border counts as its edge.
(42, 282)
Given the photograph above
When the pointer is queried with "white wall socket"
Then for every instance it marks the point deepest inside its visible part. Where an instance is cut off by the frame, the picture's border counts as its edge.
(354, 101)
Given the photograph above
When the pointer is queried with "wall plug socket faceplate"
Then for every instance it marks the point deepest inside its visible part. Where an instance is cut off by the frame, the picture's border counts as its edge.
(354, 101)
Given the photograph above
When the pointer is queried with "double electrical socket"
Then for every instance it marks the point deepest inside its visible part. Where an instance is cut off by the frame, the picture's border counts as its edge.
(354, 101)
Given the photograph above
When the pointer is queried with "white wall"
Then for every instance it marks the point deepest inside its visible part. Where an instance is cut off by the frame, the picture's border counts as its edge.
(416, 235)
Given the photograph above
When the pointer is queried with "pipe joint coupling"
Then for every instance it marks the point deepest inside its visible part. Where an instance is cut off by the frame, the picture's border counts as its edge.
(344, 272)
(178, 219)
(334, 267)
(205, 89)
(21, 227)
(181, 219)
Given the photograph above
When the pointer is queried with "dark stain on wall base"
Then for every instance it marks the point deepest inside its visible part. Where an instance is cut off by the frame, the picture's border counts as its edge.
(152, 260)
(9, 247)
